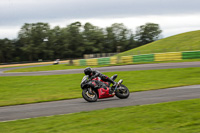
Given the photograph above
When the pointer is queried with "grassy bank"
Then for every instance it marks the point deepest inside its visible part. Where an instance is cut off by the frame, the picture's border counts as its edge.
(172, 117)
(182, 42)
(30, 89)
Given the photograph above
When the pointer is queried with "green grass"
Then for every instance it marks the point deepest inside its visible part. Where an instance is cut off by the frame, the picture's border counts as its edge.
(171, 117)
(182, 42)
(46, 68)
(25, 64)
(52, 67)
(64, 66)
(30, 89)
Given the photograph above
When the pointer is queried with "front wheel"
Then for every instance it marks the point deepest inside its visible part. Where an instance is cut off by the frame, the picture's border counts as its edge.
(89, 97)
(122, 92)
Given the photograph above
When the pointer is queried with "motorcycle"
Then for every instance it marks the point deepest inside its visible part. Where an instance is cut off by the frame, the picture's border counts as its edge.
(100, 89)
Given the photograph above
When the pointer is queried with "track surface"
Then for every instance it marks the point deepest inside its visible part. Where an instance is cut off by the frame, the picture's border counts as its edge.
(107, 69)
(77, 105)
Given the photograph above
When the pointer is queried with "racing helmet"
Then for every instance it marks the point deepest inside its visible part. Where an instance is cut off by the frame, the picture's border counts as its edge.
(88, 71)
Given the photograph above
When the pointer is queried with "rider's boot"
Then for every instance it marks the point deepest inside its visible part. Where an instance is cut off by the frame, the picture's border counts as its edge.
(111, 91)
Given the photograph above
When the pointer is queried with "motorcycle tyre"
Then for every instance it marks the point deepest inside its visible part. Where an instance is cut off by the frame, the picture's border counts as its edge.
(88, 98)
(122, 96)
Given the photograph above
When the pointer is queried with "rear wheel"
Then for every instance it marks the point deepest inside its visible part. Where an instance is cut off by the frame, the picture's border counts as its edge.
(89, 97)
(122, 92)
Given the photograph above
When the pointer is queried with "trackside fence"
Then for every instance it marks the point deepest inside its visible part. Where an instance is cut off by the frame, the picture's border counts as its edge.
(168, 56)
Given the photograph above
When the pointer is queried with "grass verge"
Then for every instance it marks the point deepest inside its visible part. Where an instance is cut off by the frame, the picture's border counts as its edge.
(29, 64)
(171, 117)
(30, 89)
(64, 66)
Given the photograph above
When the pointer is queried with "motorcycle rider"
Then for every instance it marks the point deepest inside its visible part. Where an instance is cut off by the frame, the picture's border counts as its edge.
(94, 73)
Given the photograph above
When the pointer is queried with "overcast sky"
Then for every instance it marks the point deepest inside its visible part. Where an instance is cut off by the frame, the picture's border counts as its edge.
(173, 16)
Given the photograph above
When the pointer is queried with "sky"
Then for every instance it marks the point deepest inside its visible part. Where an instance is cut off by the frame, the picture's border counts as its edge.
(173, 16)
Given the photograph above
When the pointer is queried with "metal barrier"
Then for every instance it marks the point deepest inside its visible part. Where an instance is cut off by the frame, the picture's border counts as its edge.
(168, 56)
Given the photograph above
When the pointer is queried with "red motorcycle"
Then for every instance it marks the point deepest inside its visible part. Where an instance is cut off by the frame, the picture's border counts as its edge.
(97, 89)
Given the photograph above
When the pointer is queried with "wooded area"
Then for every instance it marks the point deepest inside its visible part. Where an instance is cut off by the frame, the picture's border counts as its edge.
(40, 41)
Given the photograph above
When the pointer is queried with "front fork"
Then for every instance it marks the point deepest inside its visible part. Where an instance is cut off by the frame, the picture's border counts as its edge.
(90, 91)
(118, 83)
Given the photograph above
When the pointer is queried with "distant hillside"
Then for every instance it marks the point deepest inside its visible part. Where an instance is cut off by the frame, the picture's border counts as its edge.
(182, 42)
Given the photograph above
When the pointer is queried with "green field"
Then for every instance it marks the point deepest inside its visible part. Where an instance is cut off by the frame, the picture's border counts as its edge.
(182, 42)
(46, 68)
(30, 89)
(64, 66)
(171, 117)
(50, 67)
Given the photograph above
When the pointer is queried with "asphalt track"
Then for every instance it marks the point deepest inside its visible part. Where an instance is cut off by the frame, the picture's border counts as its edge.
(77, 105)
(8, 113)
(106, 69)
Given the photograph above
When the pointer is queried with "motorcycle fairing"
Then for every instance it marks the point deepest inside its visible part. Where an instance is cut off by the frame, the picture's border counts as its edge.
(104, 93)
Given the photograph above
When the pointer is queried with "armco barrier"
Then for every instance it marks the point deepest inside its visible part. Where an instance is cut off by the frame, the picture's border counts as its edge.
(82, 62)
(113, 60)
(76, 62)
(104, 61)
(92, 62)
(191, 55)
(127, 59)
(168, 56)
(143, 58)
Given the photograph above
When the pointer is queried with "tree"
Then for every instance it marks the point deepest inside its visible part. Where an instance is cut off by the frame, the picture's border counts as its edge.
(117, 36)
(37, 41)
(93, 38)
(34, 40)
(147, 33)
(6, 50)
(74, 40)
(131, 43)
(56, 40)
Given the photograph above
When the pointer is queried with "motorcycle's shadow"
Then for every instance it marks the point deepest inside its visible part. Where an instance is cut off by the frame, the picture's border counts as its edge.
(104, 100)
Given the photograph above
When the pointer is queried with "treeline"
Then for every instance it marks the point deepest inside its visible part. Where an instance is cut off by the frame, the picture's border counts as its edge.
(39, 41)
